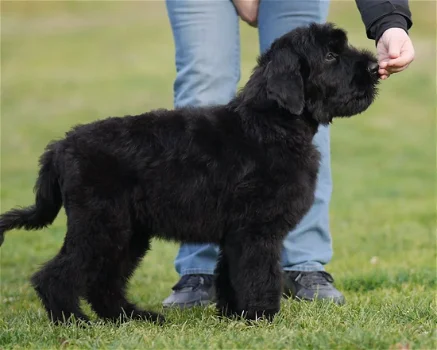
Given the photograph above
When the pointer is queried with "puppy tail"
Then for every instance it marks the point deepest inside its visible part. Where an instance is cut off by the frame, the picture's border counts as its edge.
(48, 200)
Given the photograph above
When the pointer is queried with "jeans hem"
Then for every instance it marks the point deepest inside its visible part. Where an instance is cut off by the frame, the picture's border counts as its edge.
(305, 268)
(196, 272)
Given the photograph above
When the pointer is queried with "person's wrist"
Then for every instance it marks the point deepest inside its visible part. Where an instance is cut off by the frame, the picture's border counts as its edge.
(388, 22)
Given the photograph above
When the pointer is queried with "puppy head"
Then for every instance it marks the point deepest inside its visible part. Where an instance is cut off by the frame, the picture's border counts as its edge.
(313, 69)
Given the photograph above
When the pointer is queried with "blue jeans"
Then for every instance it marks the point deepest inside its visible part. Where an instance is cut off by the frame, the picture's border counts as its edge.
(207, 41)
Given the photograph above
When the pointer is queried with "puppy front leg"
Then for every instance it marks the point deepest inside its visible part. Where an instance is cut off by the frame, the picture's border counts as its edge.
(225, 293)
(256, 277)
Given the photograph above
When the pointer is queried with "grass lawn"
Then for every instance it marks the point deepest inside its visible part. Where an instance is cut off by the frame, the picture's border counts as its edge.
(69, 62)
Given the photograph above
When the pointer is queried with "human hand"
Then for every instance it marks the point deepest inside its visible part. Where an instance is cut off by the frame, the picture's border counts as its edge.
(395, 52)
(248, 11)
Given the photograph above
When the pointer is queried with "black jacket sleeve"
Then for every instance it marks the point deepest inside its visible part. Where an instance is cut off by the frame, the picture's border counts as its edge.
(380, 15)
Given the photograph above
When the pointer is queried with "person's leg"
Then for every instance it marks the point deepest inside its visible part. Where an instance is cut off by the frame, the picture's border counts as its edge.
(308, 247)
(206, 37)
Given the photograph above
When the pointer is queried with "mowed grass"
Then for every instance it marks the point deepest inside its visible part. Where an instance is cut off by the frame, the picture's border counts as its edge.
(64, 63)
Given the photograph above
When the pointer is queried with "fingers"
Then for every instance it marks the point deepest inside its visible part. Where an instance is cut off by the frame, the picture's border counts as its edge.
(382, 72)
(383, 64)
(404, 60)
(385, 73)
(394, 51)
(389, 66)
(397, 70)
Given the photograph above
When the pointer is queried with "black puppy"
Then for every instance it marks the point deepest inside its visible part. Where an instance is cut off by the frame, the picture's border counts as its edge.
(240, 175)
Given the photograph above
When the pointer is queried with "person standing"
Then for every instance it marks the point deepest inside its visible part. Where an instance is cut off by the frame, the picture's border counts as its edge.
(207, 41)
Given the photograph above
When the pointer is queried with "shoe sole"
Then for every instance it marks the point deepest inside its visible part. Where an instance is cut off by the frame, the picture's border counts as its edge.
(200, 303)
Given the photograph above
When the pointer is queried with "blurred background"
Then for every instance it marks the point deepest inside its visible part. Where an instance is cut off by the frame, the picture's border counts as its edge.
(70, 62)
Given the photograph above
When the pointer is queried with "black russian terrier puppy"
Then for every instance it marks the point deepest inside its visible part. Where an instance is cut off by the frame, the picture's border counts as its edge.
(240, 175)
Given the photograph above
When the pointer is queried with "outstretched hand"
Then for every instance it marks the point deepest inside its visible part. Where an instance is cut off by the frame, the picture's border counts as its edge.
(395, 52)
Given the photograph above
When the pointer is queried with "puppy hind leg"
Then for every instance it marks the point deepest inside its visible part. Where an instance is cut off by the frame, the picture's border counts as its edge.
(59, 288)
(138, 248)
(107, 293)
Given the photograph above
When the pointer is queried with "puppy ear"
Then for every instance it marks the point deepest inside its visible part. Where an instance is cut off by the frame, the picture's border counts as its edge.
(284, 81)
(338, 38)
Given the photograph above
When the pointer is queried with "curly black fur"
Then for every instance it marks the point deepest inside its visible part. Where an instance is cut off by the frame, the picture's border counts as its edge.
(240, 175)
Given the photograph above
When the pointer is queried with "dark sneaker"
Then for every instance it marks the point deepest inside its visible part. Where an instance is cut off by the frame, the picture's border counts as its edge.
(191, 290)
(310, 285)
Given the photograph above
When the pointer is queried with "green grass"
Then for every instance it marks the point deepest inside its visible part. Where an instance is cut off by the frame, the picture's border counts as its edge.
(70, 62)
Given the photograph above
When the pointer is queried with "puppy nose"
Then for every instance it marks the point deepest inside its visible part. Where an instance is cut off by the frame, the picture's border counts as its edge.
(373, 67)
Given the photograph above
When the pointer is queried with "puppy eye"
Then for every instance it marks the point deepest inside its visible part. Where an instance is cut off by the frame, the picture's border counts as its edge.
(330, 56)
